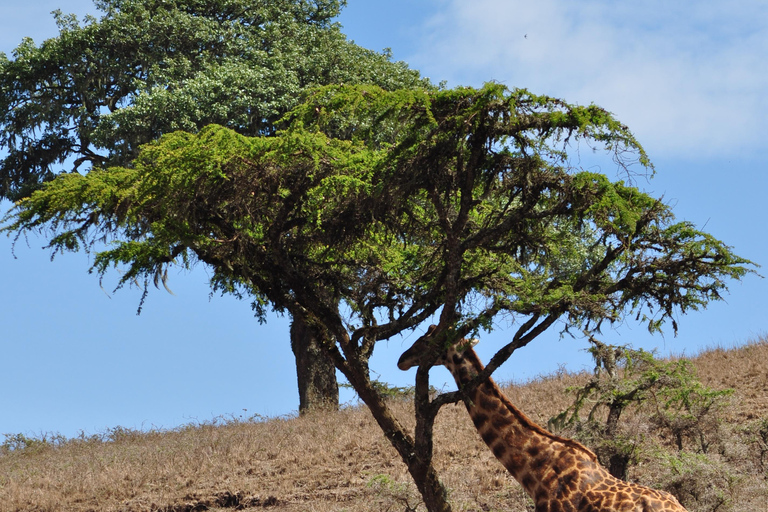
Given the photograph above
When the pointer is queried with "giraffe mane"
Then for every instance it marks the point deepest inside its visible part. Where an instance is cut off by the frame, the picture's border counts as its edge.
(474, 360)
(532, 425)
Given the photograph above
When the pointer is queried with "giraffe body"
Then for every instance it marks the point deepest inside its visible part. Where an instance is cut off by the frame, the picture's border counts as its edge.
(559, 474)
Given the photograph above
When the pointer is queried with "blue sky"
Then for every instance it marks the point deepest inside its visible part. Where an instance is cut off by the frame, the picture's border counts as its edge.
(691, 81)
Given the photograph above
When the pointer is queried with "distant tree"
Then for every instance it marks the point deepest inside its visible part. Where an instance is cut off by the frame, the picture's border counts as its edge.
(375, 211)
(90, 97)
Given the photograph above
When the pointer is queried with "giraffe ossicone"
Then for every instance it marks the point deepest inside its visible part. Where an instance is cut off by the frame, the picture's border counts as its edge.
(559, 474)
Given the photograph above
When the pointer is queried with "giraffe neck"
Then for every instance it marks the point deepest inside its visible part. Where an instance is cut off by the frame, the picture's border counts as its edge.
(557, 473)
(522, 446)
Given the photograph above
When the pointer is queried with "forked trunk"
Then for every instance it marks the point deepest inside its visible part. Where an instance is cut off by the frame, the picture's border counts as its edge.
(421, 469)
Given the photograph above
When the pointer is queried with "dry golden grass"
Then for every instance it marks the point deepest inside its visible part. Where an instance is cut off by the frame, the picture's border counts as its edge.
(341, 461)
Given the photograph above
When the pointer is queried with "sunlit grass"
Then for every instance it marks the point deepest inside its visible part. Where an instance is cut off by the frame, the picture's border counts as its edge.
(341, 461)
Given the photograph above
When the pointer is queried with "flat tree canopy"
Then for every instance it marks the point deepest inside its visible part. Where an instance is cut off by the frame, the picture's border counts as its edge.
(90, 97)
(373, 211)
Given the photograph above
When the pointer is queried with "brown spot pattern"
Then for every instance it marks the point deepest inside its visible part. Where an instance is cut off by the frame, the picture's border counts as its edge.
(559, 474)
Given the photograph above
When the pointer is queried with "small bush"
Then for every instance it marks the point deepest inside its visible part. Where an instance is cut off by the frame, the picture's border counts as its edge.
(394, 495)
(699, 482)
(756, 434)
(21, 442)
(680, 406)
(686, 409)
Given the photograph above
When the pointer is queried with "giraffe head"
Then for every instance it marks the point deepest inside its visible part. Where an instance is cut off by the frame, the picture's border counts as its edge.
(414, 355)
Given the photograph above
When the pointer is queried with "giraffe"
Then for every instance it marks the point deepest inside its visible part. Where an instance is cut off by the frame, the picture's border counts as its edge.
(559, 474)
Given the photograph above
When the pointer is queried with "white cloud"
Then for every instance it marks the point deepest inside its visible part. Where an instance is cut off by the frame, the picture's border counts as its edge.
(689, 79)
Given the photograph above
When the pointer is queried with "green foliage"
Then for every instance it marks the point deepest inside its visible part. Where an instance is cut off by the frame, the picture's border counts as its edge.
(688, 409)
(373, 210)
(404, 202)
(14, 442)
(387, 390)
(91, 96)
(21, 442)
(677, 403)
(393, 495)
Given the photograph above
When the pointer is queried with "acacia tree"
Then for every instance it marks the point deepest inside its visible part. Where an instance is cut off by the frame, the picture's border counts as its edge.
(91, 96)
(374, 211)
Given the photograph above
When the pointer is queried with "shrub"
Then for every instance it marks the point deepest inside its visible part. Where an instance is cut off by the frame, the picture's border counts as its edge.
(699, 482)
(681, 406)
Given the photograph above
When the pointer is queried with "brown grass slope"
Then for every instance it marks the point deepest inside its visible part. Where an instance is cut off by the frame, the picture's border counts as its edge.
(341, 461)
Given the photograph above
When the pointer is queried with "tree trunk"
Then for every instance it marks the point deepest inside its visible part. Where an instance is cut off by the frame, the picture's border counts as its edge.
(432, 491)
(354, 366)
(420, 466)
(618, 462)
(315, 370)
(618, 465)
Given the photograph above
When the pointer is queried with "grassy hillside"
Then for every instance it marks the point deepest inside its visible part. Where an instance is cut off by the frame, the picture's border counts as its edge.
(340, 461)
